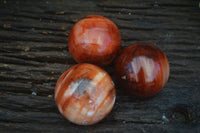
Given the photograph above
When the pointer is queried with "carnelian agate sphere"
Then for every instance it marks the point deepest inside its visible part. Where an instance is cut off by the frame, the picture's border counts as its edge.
(142, 69)
(94, 39)
(85, 94)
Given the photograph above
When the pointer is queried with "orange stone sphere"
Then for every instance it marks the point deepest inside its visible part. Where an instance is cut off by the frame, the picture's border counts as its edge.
(94, 39)
(85, 94)
(142, 69)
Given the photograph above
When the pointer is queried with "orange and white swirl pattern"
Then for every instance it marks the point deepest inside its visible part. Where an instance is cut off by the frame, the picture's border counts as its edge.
(85, 94)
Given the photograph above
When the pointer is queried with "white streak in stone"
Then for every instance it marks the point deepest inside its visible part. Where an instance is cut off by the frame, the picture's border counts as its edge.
(98, 78)
(90, 113)
(110, 105)
(63, 81)
(113, 83)
(60, 109)
(100, 112)
(84, 111)
(72, 88)
(148, 66)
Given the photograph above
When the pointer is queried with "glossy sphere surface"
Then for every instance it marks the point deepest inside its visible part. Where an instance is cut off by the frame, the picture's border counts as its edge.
(142, 69)
(94, 39)
(85, 94)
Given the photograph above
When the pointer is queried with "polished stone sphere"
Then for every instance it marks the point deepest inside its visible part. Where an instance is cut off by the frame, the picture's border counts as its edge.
(94, 39)
(85, 94)
(142, 69)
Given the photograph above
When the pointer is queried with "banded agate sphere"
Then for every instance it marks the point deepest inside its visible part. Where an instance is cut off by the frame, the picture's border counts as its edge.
(85, 94)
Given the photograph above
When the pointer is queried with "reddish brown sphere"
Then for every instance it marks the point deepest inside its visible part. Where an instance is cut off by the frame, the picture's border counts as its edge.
(94, 39)
(142, 69)
(85, 94)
